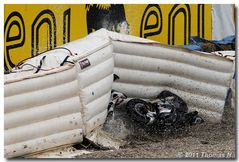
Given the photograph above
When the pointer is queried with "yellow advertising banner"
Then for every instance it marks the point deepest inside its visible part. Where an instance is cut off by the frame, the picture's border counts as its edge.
(30, 29)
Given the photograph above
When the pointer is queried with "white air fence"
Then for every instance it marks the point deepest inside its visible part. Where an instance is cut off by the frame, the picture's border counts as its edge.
(64, 103)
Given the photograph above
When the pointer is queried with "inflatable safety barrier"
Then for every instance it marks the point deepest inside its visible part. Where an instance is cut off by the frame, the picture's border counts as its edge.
(62, 95)
(57, 97)
(146, 68)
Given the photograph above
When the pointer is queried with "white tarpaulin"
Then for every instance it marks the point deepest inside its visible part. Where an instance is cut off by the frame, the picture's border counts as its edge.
(223, 21)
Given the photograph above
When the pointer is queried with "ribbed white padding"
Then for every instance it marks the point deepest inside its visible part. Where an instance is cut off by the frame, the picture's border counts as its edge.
(96, 73)
(206, 60)
(163, 66)
(43, 128)
(97, 106)
(99, 56)
(43, 112)
(96, 121)
(96, 90)
(56, 104)
(46, 142)
(39, 83)
(200, 79)
(95, 84)
(49, 108)
(147, 78)
(40, 97)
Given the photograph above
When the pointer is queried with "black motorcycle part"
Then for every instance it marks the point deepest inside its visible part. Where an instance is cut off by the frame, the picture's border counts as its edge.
(174, 100)
(138, 110)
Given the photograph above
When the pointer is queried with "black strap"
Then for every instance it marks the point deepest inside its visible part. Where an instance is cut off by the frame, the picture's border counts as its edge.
(21, 62)
(65, 60)
(39, 67)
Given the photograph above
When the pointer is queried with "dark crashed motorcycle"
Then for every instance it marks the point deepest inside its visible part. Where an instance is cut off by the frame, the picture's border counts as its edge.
(167, 112)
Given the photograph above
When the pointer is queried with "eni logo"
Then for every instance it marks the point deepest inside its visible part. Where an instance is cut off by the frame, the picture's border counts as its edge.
(13, 41)
(174, 24)
(47, 17)
(147, 28)
(15, 33)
